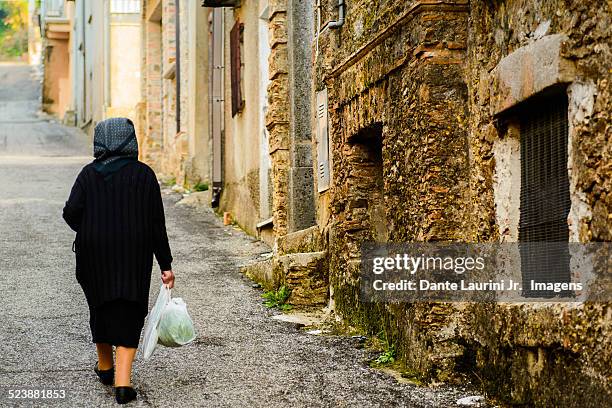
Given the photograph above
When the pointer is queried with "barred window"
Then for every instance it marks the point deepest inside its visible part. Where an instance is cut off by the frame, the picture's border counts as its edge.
(545, 199)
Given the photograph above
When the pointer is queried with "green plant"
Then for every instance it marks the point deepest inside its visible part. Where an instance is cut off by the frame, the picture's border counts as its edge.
(170, 181)
(381, 343)
(387, 357)
(277, 298)
(200, 186)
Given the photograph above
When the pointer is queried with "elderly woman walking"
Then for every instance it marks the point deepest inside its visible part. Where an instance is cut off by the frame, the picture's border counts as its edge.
(116, 209)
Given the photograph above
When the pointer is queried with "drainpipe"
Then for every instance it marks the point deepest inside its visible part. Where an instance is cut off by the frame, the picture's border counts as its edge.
(340, 22)
(217, 118)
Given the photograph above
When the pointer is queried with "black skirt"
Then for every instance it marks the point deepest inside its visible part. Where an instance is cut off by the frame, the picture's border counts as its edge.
(118, 322)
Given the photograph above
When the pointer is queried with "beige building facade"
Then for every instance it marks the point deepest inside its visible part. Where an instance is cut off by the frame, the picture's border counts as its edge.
(320, 126)
(55, 30)
(91, 60)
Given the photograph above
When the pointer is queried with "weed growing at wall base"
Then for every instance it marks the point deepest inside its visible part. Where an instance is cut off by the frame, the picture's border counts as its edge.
(277, 298)
(200, 187)
(387, 357)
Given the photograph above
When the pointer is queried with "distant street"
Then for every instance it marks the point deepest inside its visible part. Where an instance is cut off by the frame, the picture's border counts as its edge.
(242, 357)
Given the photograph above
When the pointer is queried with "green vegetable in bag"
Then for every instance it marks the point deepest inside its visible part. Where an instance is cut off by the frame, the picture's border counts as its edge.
(175, 327)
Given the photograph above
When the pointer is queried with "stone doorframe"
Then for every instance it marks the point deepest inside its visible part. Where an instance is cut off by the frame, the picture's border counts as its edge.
(288, 116)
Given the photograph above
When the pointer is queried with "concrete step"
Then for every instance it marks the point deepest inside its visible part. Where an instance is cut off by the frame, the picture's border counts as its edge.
(306, 240)
(262, 272)
(304, 273)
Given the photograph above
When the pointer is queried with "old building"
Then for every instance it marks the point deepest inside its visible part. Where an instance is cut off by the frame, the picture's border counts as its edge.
(423, 124)
(91, 60)
(233, 71)
(34, 37)
(174, 84)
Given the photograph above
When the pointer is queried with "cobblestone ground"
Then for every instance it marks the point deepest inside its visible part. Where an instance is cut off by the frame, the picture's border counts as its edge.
(242, 357)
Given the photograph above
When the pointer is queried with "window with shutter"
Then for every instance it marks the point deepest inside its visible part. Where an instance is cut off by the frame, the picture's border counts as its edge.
(545, 199)
(235, 66)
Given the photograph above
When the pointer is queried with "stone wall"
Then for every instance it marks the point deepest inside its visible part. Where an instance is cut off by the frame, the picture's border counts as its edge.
(288, 116)
(301, 184)
(549, 354)
(399, 155)
(498, 29)
(277, 116)
(171, 157)
(414, 88)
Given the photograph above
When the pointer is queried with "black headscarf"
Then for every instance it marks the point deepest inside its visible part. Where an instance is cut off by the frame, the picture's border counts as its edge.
(115, 145)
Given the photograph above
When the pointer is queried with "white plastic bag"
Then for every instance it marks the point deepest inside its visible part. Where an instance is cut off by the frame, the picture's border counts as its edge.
(151, 335)
(175, 327)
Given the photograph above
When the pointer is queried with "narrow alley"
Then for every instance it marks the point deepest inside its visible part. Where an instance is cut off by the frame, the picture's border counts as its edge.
(241, 356)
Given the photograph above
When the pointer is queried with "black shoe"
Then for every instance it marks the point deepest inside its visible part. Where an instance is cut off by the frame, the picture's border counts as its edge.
(123, 395)
(107, 376)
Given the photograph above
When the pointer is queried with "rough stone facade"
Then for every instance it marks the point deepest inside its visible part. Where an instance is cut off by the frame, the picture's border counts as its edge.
(288, 116)
(398, 140)
(416, 92)
(551, 354)
(159, 53)
(277, 116)
(172, 157)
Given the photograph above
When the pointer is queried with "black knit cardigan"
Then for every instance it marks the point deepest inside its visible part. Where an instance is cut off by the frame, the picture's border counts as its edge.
(120, 225)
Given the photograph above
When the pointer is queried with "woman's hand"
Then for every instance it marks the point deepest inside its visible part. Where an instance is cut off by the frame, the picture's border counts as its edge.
(168, 278)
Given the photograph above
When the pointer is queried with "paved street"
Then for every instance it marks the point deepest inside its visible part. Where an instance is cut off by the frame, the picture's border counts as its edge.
(242, 357)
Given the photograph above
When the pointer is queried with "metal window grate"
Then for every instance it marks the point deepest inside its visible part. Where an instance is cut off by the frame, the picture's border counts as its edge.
(545, 199)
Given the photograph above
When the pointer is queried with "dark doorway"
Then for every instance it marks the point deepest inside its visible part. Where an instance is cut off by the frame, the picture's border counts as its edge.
(366, 178)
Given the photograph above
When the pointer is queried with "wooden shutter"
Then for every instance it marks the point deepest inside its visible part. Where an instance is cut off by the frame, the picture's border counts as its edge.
(235, 63)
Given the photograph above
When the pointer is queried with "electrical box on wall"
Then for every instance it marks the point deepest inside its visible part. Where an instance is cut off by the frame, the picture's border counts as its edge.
(323, 168)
